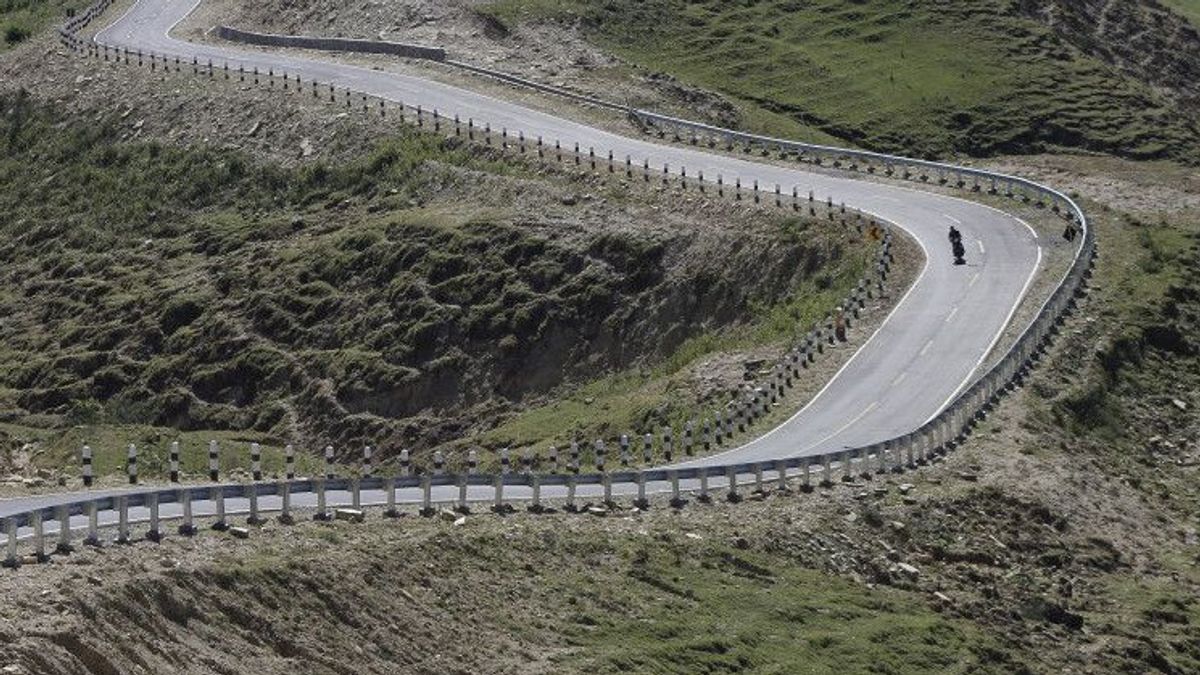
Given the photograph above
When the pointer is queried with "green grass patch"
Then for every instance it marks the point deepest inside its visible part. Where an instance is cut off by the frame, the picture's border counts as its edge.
(21, 19)
(710, 609)
(925, 78)
(1188, 8)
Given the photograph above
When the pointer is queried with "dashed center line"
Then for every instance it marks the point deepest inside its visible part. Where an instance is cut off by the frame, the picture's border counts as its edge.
(899, 378)
(952, 313)
(926, 347)
(952, 219)
(980, 242)
(973, 280)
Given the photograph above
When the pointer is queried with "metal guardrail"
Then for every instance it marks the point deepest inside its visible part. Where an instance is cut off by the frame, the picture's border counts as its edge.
(938, 435)
(332, 44)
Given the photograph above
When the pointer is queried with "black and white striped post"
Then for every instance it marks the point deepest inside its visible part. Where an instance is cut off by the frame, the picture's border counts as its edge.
(131, 466)
(648, 448)
(505, 463)
(173, 462)
(88, 470)
(605, 477)
(552, 453)
(688, 432)
(668, 444)
(405, 463)
(214, 461)
(527, 461)
(256, 461)
(706, 435)
(289, 462)
(367, 466)
(329, 474)
(625, 450)
(575, 462)
(439, 463)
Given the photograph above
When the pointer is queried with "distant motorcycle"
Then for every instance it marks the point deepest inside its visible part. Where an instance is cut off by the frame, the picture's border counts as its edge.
(956, 246)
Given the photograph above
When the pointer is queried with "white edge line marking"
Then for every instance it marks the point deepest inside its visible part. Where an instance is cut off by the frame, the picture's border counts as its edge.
(781, 425)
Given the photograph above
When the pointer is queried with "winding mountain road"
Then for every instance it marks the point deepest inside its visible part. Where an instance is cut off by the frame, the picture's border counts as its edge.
(928, 350)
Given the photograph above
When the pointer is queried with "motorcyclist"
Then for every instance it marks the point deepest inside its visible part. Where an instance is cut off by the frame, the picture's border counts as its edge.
(956, 246)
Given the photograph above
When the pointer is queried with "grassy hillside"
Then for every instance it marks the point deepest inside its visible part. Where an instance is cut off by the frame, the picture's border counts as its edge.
(410, 298)
(20, 19)
(929, 78)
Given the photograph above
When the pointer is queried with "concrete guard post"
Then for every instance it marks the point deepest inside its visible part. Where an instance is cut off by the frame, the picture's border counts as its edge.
(123, 520)
(63, 516)
(11, 559)
(572, 481)
(218, 498)
(39, 536)
(285, 498)
(155, 533)
(641, 502)
(498, 504)
(250, 491)
(731, 477)
(427, 495)
(322, 513)
(535, 483)
(677, 500)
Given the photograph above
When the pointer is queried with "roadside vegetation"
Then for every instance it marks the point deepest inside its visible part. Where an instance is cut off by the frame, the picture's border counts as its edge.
(20, 19)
